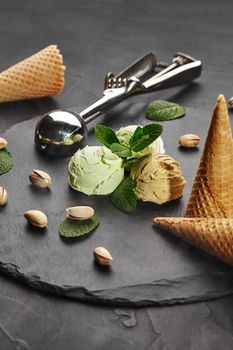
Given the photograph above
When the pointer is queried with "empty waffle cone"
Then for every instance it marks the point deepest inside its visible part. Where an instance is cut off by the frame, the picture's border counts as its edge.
(42, 74)
(214, 236)
(212, 192)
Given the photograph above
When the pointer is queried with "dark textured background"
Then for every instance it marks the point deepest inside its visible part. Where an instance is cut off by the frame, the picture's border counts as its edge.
(96, 37)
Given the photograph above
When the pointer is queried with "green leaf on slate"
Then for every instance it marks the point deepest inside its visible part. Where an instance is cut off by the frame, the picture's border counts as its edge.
(129, 163)
(163, 110)
(6, 161)
(124, 197)
(74, 228)
(120, 150)
(143, 137)
(105, 135)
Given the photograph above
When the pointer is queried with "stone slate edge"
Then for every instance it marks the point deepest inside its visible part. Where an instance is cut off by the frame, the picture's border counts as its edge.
(161, 292)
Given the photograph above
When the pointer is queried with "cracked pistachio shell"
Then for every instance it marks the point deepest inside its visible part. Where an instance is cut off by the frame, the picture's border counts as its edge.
(80, 213)
(36, 218)
(3, 196)
(102, 256)
(40, 178)
(3, 143)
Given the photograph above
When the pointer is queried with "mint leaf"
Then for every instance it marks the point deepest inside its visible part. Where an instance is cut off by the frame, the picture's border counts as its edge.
(136, 135)
(129, 163)
(105, 135)
(74, 228)
(163, 110)
(120, 150)
(145, 136)
(6, 161)
(124, 197)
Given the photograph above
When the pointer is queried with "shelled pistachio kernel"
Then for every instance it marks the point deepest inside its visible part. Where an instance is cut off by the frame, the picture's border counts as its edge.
(36, 218)
(3, 143)
(189, 140)
(230, 102)
(3, 196)
(102, 256)
(40, 179)
(80, 212)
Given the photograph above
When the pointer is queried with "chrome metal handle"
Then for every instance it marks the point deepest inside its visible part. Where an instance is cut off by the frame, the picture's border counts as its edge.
(110, 99)
(175, 76)
(182, 70)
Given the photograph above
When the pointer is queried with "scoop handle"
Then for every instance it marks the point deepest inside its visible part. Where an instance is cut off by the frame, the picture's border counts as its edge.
(168, 78)
(182, 70)
(140, 68)
(143, 66)
(110, 99)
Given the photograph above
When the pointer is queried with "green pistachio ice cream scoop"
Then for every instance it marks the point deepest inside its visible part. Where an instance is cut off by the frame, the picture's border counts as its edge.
(95, 170)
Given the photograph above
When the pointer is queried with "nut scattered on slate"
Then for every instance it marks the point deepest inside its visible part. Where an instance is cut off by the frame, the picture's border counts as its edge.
(230, 102)
(3, 143)
(80, 213)
(189, 140)
(102, 256)
(3, 196)
(36, 218)
(40, 178)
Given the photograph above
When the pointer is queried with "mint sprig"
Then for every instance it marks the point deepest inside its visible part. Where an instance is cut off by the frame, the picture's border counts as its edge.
(136, 135)
(124, 197)
(120, 150)
(74, 228)
(105, 135)
(144, 136)
(6, 161)
(129, 163)
(163, 110)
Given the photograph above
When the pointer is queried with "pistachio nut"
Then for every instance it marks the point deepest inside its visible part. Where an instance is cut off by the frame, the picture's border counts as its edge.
(36, 218)
(80, 213)
(230, 102)
(40, 178)
(3, 143)
(102, 256)
(189, 140)
(3, 196)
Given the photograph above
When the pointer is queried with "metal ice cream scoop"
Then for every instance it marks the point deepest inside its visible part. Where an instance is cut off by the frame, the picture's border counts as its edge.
(62, 132)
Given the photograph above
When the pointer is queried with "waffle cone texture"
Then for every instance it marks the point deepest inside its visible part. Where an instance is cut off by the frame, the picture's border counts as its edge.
(39, 75)
(208, 222)
(214, 236)
(212, 192)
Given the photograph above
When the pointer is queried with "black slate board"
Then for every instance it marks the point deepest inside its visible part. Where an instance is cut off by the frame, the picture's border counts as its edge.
(150, 266)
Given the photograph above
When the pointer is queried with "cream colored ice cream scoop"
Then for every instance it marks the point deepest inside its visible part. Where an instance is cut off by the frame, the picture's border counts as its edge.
(124, 134)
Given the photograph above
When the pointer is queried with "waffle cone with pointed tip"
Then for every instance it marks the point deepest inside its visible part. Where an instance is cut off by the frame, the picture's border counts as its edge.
(214, 236)
(39, 75)
(212, 192)
(208, 224)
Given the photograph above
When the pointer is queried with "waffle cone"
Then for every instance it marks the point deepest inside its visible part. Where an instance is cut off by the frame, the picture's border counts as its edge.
(212, 192)
(42, 74)
(214, 236)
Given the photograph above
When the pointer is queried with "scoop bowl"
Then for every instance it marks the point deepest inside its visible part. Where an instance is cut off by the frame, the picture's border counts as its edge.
(60, 133)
